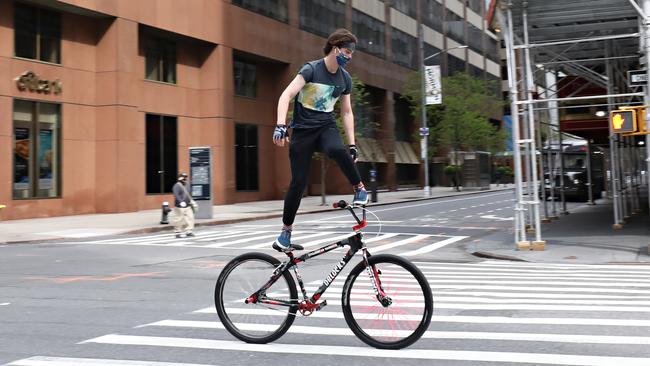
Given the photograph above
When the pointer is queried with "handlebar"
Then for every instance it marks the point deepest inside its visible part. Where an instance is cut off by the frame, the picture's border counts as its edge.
(361, 223)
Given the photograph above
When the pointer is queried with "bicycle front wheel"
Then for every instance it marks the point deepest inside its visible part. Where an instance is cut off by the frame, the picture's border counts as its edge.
(254, 322)
(406, 313)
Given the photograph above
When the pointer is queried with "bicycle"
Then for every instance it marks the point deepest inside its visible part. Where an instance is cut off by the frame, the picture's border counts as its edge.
(391, 308)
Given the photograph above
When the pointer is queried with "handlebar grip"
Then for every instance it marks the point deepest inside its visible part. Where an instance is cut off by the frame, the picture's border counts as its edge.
(340, 204)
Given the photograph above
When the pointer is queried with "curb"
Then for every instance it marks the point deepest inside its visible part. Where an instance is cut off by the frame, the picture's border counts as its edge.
(162, 227)
(488, 255)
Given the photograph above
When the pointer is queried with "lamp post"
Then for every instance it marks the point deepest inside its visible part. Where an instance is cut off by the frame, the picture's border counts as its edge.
(424, 131)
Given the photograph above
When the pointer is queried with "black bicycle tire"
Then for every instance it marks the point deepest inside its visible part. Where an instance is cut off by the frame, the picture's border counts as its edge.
(225, 320)
(422, 281)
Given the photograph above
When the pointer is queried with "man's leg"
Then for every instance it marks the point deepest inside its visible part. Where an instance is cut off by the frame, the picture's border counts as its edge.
(301, 148)
(332, 145)
(177, 220)
(189, 216)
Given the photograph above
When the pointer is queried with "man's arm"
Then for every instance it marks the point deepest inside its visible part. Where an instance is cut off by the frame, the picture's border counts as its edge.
(348, 118)
(283, 104)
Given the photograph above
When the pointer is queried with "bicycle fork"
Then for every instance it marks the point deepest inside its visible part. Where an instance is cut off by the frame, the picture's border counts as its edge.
(374, 273)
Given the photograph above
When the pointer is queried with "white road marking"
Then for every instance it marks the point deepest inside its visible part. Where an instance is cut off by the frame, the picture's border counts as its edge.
(66, 361)
(294, 239)
(434, 246)
(5, 303)
(412, 239)
(492, 217)
(306, 349)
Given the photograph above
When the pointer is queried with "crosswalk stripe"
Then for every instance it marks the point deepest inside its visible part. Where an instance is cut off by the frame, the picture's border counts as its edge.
(487, 356)
(239, 241)
(434, 246)
(536, 266)
(502, 336)
(237, 235)
(380, 238)
(331, 240)
(398, 243)
(460, 268)
(509, 276)
(293, 239)
(537, 274)
(482, 319)
(67, 361)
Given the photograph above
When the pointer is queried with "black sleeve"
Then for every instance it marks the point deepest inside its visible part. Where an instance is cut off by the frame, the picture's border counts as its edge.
(348, 83)
(307, 72)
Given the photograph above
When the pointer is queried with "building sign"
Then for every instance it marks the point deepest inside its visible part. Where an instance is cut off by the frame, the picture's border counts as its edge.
(200, 173)
(30, 81)
(623, 121)
(637, 77)
(432, 85)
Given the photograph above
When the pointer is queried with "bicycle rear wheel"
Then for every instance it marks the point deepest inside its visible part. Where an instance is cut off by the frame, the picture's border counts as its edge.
(254, 322)
(395, 325)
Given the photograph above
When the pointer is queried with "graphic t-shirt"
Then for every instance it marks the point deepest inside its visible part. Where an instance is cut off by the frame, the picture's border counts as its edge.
(314, 104)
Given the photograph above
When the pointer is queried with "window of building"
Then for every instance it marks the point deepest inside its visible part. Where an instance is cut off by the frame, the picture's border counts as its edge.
(245, 78)
(161, 153)
(475, 5)
(493, 48)
(455, 26)
(476, 71)
(370, 32)
(37, 150)
(454, 64)
(37, 33)
(430, 50)
(432, 14)
(475, 38)
(246, 160)
(404, 49)
(322, 17)
(160, 59)
(407, 7)
(276, 9)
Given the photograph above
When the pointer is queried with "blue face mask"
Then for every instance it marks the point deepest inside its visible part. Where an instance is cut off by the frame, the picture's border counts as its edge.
(342, 59)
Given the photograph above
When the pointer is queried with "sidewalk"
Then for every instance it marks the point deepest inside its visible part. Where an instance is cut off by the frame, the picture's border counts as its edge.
(84, 226)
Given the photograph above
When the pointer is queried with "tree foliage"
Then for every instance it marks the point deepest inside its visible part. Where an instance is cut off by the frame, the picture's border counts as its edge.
(461, 122)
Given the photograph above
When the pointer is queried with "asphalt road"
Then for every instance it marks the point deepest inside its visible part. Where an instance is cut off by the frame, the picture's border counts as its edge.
(148, 299)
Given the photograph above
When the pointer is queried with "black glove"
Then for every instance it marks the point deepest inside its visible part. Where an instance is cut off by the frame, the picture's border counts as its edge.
(280, 133)
(354, 153)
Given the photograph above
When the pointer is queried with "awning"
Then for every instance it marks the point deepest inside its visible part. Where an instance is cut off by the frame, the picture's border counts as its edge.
(370, 151)
(404, 153)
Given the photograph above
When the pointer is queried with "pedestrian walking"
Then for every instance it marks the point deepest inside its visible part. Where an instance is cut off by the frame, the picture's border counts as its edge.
(183, 215)
(315, 90)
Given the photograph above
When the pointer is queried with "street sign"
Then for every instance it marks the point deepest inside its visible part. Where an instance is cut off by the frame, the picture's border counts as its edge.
(432, 86)
(637, 78)
(623, 121)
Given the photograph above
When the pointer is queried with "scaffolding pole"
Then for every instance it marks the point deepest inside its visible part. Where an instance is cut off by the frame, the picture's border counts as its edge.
(519, 222)
(612, 146)
(538, 244)
(646, 33)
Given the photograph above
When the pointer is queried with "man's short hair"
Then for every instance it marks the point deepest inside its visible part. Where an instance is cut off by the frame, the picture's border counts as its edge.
(337, 38)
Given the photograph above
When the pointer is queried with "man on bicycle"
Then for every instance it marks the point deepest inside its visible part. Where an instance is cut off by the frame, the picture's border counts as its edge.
(316, 88)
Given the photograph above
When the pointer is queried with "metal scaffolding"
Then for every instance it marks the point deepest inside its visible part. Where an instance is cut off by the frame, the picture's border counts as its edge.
(597, 42)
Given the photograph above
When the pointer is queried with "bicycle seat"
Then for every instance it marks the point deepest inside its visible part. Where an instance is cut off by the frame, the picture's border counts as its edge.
(291, 248)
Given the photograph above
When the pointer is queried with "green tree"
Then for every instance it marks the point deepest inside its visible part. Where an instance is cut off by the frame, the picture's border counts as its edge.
(462, 121)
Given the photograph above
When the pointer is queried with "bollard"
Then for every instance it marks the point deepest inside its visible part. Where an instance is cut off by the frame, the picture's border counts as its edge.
(373, 185)
(165, 212)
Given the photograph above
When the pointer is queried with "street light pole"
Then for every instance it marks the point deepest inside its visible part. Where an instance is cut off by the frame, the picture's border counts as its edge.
(425, 137)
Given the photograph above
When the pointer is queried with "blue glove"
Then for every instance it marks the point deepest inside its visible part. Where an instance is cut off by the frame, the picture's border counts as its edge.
(280, 133)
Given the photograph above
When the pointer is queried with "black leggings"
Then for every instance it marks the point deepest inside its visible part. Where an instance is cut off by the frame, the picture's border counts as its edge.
(304, 142)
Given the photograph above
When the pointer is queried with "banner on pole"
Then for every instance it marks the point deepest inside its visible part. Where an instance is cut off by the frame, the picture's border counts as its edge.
(432, 84)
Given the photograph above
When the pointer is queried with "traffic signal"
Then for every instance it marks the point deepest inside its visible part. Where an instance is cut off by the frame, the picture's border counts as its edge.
(623, 121)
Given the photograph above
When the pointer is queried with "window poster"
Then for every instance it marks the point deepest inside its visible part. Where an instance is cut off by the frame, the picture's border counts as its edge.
(45, 155)
(22, 149)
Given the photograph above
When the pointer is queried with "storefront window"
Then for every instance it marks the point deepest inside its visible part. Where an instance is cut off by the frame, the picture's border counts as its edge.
(246, 161)
(37, 33)
(37, 150)
(245, 78)
(322, 17)
(162, 153)
(160, 60)
(276, 9)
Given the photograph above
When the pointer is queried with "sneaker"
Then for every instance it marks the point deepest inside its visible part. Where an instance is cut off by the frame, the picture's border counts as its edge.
(178, 236)
(360, 197)
(190, 235)
(283, 242)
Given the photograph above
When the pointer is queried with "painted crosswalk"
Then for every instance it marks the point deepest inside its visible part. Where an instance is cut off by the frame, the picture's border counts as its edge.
(247, 238)
(492, 312)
